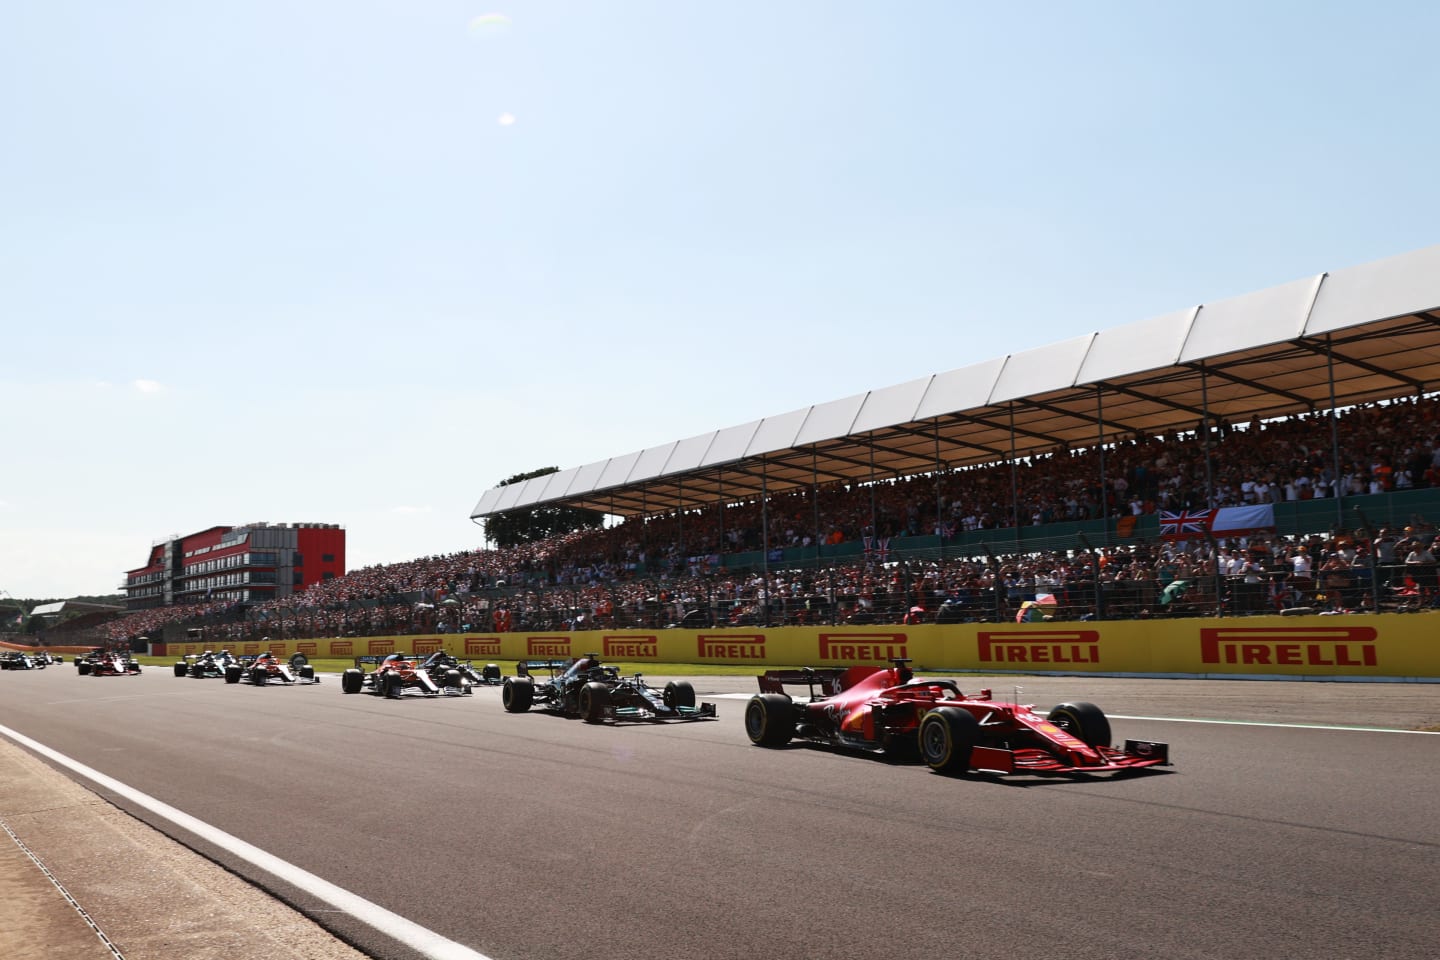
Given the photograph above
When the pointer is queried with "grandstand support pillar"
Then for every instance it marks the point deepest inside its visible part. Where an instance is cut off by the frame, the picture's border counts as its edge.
(870, 443)
(939, 492)
(765, 541)
(1336, 489)
(1205, 419)
(1014, 482)
(1104, 484)
(680, 513)
(815, 500)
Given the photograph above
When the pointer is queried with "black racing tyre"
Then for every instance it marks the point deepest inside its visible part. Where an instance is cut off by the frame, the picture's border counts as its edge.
(594, 698)
(181, 668)
(391, 684)
(491, 671)
(298, 660)
(307, 672)
(1083, 721)
(679, 693)
(258, 676)
(946, 737)
(453, 679)
(517, 694)
(352, 680)
(770, 719)
(232, 673)
(82, 667)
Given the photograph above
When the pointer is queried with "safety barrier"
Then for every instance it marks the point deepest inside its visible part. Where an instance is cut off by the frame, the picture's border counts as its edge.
(1354, 647)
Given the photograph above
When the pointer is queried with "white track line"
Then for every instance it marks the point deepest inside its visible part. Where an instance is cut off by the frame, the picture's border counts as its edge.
(426, 942)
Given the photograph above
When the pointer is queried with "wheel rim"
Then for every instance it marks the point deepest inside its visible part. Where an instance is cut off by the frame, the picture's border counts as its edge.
(755, 719)
(934, 740)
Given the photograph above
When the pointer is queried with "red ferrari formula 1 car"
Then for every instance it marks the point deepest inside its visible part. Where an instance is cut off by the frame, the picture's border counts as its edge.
(888, 710)
(106, 664)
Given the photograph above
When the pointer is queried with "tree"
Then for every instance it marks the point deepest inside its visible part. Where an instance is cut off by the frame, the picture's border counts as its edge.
(538, 523)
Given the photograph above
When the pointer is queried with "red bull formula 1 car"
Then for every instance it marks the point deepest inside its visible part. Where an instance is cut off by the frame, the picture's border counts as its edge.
(887, 710)
(584, 688)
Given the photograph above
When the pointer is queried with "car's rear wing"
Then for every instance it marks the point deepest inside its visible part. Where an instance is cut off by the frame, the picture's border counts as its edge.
(378, 658)
(828, 679)
(524, 667)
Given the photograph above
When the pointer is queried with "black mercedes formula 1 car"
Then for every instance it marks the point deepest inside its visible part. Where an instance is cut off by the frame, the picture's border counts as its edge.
(584, 688)
(208, 664)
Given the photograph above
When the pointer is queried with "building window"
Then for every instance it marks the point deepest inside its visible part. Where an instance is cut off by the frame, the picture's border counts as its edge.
(327, 558)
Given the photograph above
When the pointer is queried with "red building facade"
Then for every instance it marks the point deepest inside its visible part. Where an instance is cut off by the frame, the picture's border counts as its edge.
(250, 563)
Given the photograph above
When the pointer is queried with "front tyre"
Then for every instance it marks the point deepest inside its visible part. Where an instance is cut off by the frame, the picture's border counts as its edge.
(352, 680)
(770, 719)
(679, 693)
(594, 698)
(946, 737)
(1083, 721)
(517, 694)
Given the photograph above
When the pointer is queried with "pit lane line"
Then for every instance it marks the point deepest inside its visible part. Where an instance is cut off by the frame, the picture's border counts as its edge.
(426, 942)
(1229, 723)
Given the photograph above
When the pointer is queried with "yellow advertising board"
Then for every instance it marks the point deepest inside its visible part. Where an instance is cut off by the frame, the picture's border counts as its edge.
(1391, 646)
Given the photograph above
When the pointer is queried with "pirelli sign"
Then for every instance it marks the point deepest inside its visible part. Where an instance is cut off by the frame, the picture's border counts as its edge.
(732, 646)
(1039, 648)
(1340, 646)
(862, 647)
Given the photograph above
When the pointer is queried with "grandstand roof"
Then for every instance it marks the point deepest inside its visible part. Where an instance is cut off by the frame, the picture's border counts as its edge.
(73, 606)
(1372, 330)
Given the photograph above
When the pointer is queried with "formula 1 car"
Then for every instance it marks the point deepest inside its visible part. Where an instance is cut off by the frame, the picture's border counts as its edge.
(397, 674)
(887, 710)
(207, 664)
(267, 668)
(105, 664)
(18, 660)
(439, 664)
(583, 688)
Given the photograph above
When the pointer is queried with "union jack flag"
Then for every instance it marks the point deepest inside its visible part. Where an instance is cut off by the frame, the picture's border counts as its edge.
(1185, 524)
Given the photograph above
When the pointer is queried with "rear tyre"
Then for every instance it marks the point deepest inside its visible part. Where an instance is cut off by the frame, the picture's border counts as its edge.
(298, 660)
(517, 694)
(594, 698)
(82, 667)
(491, 672)
(946, 737)
(453, 679)
(770, 719)
(1083, 721)
(679, 693)
(232, 674)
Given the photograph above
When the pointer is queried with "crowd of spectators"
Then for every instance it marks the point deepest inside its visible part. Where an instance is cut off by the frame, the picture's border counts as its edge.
(670, 569)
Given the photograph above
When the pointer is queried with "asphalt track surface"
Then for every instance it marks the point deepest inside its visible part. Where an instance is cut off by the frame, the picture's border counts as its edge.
(1281, 831)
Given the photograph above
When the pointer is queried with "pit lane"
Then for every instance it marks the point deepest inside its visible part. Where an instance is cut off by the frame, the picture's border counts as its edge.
(534, 836)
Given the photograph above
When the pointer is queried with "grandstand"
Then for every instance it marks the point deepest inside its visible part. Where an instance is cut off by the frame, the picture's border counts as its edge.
(1357, 335)
(965, 495)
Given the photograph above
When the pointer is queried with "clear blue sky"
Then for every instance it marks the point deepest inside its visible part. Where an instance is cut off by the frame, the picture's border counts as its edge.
(358, 262)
